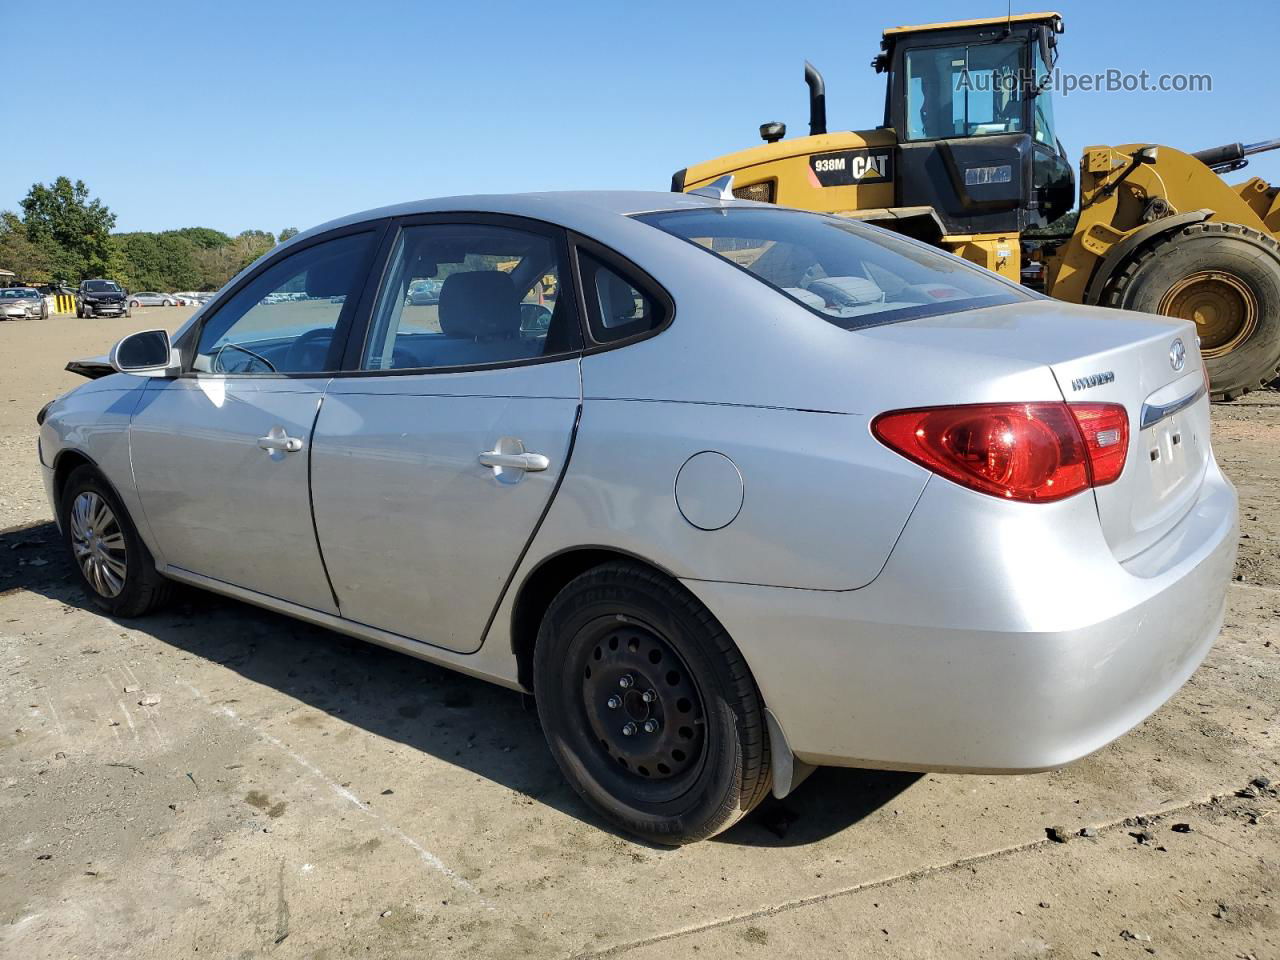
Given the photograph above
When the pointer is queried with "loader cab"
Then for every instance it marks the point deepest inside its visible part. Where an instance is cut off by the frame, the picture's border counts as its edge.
(972, 106)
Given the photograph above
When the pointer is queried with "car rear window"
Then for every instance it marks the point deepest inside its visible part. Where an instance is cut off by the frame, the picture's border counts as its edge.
(848, 273)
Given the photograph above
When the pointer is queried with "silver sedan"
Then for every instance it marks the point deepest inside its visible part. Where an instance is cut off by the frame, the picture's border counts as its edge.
(149, 298)
(23, 303)
(761, 489)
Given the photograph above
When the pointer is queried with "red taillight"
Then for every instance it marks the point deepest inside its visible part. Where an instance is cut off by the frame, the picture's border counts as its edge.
(1034, 452)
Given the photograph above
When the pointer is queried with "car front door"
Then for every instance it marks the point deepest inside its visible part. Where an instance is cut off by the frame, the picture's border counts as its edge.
(221, 454)
(433, 464)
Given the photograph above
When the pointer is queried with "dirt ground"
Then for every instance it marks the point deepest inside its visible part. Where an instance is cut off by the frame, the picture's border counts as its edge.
(220, 781)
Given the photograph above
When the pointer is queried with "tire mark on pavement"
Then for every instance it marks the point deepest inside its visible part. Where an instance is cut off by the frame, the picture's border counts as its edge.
(282, 907)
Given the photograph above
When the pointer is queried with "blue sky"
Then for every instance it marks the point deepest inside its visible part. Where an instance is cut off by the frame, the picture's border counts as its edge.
(271, 114)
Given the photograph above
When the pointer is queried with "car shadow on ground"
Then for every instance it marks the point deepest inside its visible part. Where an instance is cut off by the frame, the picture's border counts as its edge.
(487, 730)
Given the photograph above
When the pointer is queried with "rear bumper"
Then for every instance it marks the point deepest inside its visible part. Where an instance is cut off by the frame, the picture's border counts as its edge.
(996, 639)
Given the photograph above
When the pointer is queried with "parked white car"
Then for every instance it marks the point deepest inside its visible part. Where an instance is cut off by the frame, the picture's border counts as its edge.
(762, 489)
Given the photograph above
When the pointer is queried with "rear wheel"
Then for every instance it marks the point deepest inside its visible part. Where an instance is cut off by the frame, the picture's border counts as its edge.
(114, 566)
(648, 707)
(1226, 279)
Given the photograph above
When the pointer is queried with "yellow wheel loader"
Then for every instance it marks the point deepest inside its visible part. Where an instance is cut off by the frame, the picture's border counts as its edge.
(967, 159)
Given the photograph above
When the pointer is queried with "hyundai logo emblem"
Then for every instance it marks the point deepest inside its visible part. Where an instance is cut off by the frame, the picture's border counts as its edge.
(1178, 354)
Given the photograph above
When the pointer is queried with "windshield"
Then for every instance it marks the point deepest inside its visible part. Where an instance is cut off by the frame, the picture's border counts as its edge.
(846, 272)
(969, 91)
(16, 293)
(101, 286)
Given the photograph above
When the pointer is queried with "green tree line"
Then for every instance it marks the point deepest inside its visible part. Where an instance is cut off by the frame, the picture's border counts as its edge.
(64, 235)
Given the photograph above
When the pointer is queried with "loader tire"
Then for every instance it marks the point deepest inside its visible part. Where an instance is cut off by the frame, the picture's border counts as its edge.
(1225, 278)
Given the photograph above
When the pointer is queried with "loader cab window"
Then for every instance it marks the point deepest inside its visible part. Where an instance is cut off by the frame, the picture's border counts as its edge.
(965, 91)
(1043, 129)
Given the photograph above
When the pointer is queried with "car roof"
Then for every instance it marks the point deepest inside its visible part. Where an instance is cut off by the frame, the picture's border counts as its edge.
(576, 209)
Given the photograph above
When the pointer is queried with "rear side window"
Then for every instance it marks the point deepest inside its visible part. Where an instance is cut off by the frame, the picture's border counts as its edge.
(618, 308)
(848, 273)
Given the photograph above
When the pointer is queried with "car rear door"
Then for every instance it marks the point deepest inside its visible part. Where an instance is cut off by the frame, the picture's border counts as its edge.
(221, 455)
(434, 462)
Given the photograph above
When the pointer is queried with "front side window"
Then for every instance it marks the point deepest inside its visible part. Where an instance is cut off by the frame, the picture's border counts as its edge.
(286, 319)
(463, 295)
(969, 91)
(848, 273)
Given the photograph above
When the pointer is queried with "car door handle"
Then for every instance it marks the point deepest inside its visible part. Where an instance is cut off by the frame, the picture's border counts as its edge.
(283, 444)
(528, 462)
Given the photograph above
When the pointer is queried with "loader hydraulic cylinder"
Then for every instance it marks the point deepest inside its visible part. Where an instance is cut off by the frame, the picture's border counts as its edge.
(1231, 156)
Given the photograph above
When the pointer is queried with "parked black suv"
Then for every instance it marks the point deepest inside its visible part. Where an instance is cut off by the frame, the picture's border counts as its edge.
(101, 298)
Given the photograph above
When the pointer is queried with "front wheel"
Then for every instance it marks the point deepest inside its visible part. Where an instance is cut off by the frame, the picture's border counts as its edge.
(648, 707)
(134, 303)
(114, 566)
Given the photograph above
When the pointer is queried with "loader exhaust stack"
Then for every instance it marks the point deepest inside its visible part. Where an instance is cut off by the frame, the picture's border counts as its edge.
(817, 99)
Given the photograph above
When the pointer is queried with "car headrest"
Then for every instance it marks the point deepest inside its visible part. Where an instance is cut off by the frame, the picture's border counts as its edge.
(482, 303)
(617, 299)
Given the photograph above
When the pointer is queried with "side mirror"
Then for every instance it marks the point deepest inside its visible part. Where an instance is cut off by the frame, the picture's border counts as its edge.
(1147, 155)
(145, 354)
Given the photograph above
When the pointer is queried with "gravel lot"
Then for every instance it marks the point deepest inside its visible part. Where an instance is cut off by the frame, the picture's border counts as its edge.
(221, 781)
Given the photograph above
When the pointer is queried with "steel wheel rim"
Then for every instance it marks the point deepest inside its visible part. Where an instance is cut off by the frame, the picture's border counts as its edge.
(1222, 306)
(97, 542)
(621, 664)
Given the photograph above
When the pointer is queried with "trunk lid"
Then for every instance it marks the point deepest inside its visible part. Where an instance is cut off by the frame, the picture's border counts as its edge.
(1160, 381)
(1104, 356)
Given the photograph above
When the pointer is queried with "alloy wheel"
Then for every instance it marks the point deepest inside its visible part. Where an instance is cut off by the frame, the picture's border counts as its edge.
(98, 544)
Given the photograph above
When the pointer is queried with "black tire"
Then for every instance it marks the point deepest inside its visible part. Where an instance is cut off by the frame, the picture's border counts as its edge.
(142, 588)
(1242, 255)
(609, 623)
